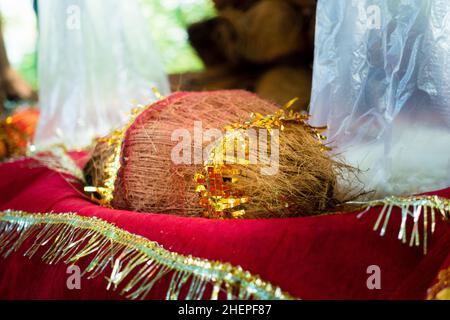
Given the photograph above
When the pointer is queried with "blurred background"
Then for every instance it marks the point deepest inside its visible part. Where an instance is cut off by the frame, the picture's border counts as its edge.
(169, 19)
(265, 46)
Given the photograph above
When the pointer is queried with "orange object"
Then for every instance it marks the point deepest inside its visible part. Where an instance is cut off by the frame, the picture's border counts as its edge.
(3, 150)
(16, 132)
(26, 120)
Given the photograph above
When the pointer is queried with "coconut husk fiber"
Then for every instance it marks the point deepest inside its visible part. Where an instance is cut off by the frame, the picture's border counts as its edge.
(307, 181)
(148, 180)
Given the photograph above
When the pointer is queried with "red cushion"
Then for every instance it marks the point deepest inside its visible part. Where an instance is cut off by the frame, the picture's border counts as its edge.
(322, 257)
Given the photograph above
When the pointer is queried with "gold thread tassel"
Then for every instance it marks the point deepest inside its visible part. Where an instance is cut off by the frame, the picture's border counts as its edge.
(136, 263)
(416, 208)
(57, 159)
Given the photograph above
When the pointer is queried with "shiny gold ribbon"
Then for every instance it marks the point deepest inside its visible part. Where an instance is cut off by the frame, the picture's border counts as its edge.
(136, 263)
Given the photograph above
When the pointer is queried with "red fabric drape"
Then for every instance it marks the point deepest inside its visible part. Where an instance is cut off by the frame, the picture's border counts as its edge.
(323, 257)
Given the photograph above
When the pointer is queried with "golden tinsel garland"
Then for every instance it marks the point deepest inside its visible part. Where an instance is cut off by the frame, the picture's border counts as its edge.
(112, 164)
(412, 207)
(69, 238)
(104, 193)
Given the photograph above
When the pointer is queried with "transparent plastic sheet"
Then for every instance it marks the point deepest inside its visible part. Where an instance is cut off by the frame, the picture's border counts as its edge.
(96, 61)
(382, 86)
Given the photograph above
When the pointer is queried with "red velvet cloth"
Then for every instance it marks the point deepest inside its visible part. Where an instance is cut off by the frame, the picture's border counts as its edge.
(323, 257)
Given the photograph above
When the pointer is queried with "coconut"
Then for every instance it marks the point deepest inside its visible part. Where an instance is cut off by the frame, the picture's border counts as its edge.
(134, 168)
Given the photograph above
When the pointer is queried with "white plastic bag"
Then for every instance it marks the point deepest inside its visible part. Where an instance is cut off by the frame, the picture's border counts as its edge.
(382, 86)
(96, 61)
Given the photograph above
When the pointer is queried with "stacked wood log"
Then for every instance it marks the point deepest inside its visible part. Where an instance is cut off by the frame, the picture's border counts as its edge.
(265, 46)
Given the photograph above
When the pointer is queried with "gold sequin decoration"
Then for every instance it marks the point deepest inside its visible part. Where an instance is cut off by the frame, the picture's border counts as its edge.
(112, 165)
(215, 182)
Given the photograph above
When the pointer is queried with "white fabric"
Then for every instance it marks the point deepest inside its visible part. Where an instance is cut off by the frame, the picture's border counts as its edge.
(96, 61)
(382, 85)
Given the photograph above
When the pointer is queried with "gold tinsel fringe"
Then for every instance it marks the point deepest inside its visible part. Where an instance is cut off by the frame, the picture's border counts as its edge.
(57, 159)
(416, 208)
(54, 158)
(69, 238)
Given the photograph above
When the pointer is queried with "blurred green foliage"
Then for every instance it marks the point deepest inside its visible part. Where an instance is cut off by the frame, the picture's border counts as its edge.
(28, 69)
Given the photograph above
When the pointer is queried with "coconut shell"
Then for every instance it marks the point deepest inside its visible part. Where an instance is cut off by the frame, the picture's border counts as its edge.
(148, 179)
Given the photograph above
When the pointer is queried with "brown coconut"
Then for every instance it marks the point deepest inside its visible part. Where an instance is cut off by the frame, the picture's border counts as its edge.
(305, 183)
(148, 180)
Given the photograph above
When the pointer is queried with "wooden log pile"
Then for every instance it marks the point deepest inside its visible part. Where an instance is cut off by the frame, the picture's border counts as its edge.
(265, 46)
